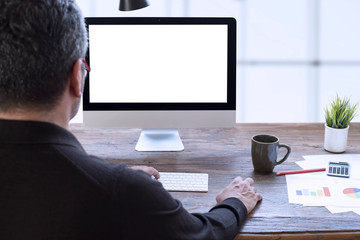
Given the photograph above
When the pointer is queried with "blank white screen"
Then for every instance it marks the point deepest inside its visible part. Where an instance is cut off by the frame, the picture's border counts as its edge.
(158, 63)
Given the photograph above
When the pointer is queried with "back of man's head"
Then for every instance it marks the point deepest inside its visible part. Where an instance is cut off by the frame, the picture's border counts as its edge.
(40, 40)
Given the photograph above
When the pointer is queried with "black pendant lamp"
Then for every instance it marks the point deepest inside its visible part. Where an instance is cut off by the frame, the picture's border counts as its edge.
(129, 5)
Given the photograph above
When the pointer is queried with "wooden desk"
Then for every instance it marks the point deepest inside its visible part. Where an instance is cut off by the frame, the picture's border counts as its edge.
(225, 154)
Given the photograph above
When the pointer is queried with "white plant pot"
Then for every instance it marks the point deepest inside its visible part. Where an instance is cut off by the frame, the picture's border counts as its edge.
(335, 139)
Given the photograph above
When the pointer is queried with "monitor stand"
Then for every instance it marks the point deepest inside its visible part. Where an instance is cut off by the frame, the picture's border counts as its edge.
(159, 140)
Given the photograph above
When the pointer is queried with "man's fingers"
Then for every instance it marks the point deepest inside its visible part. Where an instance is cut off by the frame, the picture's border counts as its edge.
(249, 180)
(156, 174)
(150, 170)
(237, 180)
(153, 172)
(259, 196)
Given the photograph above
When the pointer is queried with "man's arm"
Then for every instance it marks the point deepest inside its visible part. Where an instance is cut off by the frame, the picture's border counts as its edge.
(162, 217)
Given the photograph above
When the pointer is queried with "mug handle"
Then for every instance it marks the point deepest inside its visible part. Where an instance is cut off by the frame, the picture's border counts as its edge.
(286, 155)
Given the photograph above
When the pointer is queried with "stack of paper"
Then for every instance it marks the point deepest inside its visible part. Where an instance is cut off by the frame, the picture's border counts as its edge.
(317, 189)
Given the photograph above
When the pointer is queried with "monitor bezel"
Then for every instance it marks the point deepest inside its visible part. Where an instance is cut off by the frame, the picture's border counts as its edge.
(230, 104)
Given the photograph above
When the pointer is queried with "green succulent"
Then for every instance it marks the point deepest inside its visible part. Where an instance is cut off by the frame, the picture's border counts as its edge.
(340, 113)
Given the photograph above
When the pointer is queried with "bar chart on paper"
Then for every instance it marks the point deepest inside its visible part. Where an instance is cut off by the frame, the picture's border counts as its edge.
(310, 190)
(352, 192)
(322, 192)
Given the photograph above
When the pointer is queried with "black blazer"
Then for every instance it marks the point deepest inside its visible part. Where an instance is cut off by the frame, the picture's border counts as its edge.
(50, 188)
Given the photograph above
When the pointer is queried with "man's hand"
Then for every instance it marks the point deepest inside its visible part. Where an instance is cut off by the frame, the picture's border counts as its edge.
(150, 170)
(242, 190)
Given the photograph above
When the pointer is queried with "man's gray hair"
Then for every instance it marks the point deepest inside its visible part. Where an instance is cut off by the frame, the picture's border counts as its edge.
(40, 40)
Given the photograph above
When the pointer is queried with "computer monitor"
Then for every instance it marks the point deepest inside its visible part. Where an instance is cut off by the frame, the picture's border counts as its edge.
(160, 74)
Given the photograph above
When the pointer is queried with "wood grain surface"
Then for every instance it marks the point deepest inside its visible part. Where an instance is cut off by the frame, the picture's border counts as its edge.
(224, 153)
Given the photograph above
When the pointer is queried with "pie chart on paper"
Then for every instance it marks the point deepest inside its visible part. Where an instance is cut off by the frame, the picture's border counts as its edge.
(352, 192)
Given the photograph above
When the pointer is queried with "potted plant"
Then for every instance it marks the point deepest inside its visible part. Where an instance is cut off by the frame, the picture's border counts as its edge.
(338, 117)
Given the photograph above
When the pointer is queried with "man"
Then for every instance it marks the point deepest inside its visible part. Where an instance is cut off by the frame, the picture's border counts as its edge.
(49, 187)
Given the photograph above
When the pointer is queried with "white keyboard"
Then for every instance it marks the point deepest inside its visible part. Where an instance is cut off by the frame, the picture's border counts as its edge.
(184, 182)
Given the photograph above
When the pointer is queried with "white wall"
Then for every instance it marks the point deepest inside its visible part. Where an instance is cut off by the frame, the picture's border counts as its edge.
(293, 56)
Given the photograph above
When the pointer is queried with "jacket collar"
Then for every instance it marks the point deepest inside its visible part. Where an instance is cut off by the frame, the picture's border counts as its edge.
(33, 132)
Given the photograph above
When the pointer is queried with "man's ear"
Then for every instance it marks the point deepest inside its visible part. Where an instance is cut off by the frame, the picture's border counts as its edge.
(76, 79)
